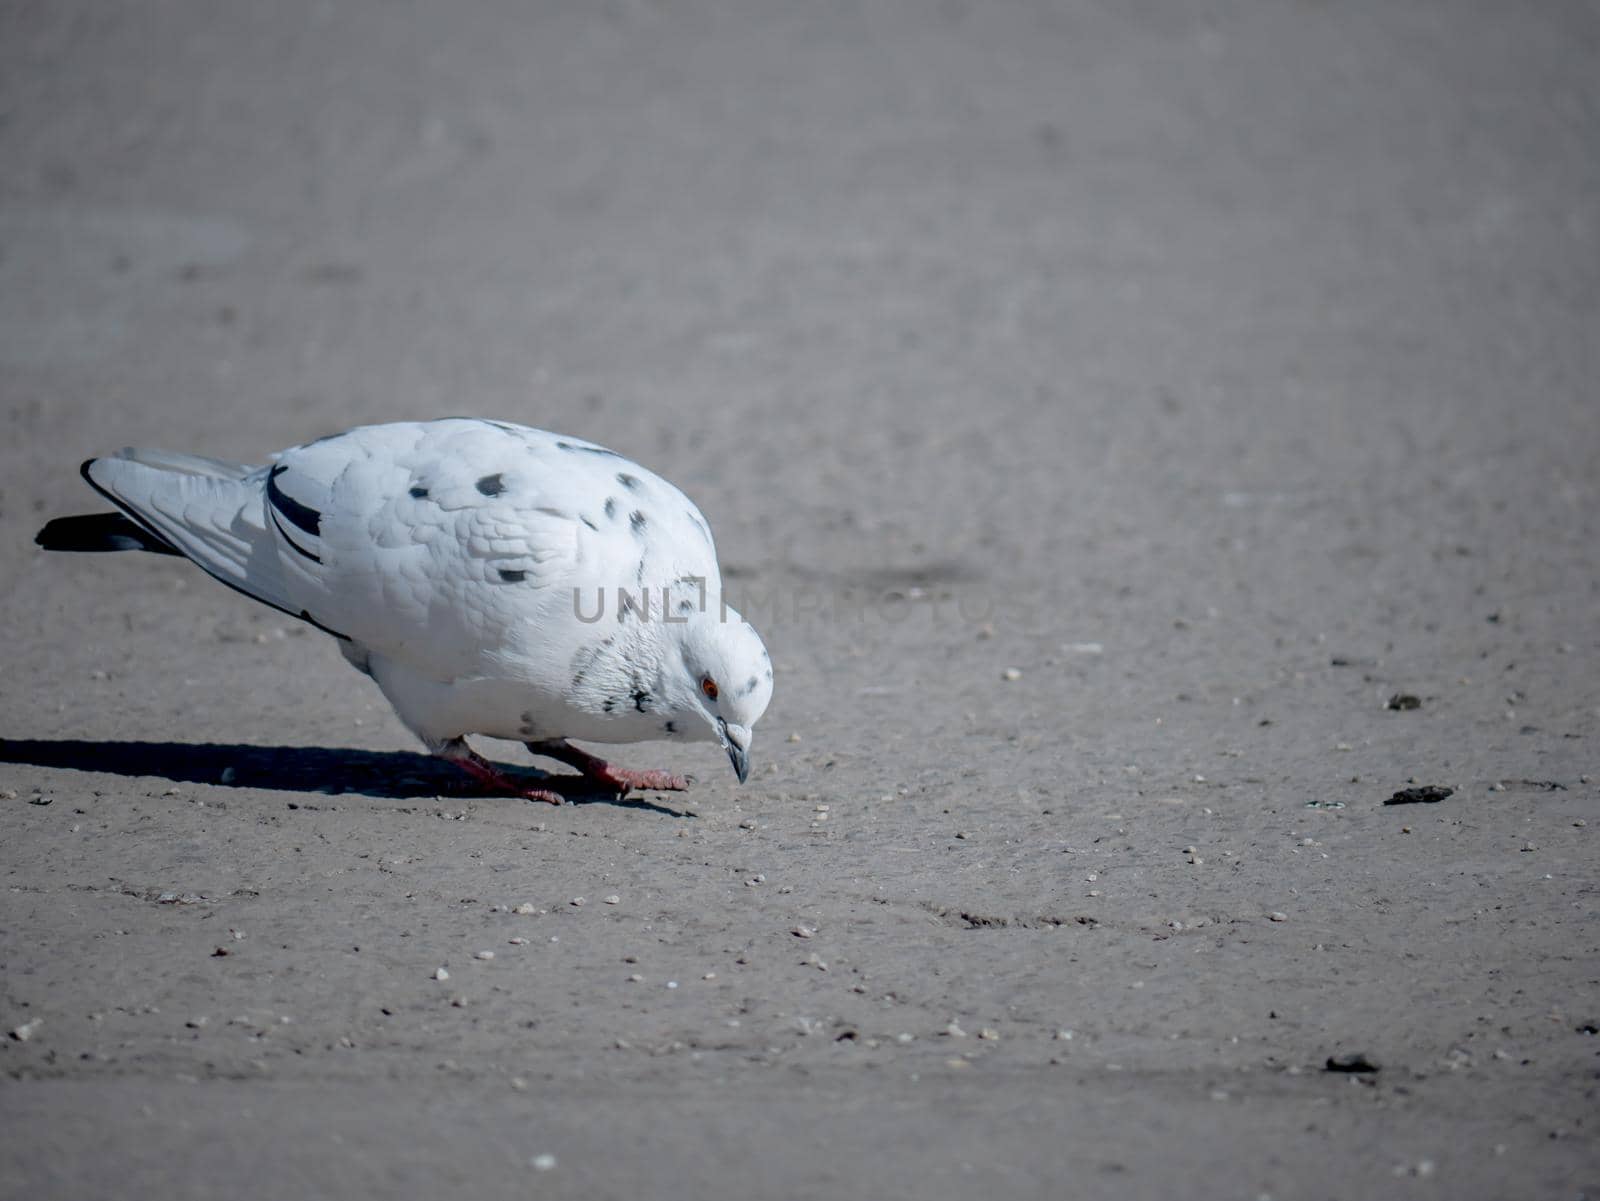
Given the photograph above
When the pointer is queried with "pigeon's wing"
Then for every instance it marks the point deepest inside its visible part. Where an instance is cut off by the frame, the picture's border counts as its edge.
(207, 509)
(455, 544)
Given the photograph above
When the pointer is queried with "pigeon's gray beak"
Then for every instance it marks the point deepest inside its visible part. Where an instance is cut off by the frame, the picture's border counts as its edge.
(741, 761)
(737, 740)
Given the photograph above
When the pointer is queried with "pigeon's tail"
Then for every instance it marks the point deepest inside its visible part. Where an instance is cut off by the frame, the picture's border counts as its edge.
(100, 532)
(204, 509)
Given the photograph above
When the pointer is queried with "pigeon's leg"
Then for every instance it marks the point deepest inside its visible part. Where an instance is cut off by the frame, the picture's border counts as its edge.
(480, 769)
(601, 772)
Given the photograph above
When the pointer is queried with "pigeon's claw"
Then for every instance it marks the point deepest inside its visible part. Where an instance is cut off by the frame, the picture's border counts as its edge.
(547, 795)
(489, 776)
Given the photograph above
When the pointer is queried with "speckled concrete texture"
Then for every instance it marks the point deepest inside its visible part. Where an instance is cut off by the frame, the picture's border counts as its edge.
(1104, 410)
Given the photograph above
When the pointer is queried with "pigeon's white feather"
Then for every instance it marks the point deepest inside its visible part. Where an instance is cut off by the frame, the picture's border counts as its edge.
(463, 563)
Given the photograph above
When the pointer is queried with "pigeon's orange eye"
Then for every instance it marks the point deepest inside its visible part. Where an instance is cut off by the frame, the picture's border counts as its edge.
(709, 687)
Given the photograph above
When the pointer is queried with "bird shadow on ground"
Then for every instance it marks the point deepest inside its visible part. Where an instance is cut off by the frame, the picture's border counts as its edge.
(400, 775)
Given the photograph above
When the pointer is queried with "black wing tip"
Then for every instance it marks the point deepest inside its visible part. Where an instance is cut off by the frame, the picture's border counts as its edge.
(95, 532)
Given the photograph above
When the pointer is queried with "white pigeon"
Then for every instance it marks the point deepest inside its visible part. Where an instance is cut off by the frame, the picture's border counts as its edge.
(491, 578)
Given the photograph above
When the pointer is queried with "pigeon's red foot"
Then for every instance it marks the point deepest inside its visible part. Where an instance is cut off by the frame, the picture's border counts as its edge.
(487, 774)
(620, 779)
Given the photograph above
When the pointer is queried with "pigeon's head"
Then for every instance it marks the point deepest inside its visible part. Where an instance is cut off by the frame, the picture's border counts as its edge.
(726, 680)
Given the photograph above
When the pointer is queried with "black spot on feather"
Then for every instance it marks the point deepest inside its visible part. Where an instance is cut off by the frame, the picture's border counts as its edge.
(585, 659)
(611, 506)
(492, 485)
(629, 482)
(418, 491)
(302, 516)
(637, 520)
(610, 705)
(589, 522)
(293, 545)
(641, 700)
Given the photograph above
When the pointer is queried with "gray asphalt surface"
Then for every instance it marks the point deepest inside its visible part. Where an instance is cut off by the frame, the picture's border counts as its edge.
(1104, 410)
